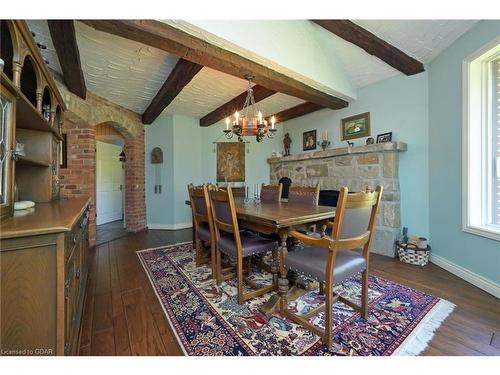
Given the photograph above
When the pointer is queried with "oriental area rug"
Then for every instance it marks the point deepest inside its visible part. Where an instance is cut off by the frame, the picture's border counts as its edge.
(208, 320)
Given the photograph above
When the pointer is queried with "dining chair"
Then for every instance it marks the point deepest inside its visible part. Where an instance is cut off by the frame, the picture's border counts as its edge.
(237, 244)
(304, 195)
(271, 193)
(203, 224)
(239, 191)
(333, 260)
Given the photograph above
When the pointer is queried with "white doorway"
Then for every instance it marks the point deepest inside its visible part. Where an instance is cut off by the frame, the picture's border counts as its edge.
(109, 182)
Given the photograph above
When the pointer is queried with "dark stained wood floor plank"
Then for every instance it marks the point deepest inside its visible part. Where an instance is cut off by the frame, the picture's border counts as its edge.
(103, 343)
(144, 336)
(122, 341)
(132, 320)
(88, 312)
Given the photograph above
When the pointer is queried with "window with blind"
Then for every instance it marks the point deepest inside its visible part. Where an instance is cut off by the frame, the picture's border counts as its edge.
(481, 142)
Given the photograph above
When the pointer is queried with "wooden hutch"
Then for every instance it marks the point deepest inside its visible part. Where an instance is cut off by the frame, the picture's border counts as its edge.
(43, 250)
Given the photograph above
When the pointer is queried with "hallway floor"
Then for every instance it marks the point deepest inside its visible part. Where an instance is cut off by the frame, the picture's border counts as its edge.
(109, 232)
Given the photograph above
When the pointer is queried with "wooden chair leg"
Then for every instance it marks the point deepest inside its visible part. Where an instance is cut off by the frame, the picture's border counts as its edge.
(249, 266)
(218, 267)
(197, 243)
(239, 273)
(364, 294)
(328, 315)
(213, 259)
(321, 288)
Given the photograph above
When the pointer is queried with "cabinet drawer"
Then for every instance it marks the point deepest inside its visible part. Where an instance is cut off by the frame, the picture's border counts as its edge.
(74, 236)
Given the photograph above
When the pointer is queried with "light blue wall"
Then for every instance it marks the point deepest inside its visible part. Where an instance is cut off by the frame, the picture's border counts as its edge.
(189, 156)
(159, 207)
(397, 104)
(477, 254)
(187, 163)
(256, 167)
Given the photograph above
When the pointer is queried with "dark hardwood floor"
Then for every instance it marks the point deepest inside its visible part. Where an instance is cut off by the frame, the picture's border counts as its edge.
(123, 316)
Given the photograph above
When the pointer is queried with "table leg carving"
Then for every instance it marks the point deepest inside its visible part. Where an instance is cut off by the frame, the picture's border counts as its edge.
(283, 284)
(283, 287)
(275, 268)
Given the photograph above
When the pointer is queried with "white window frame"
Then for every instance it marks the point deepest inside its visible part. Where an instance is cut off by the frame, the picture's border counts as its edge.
(476, 142)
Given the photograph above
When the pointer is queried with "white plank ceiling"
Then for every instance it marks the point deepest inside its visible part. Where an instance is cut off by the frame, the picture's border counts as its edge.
(130, 74)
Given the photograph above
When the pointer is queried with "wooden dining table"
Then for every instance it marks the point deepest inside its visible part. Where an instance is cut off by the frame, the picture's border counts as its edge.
(279, 217)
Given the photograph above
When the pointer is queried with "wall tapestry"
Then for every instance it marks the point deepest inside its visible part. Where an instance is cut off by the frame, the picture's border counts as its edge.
(230, 162)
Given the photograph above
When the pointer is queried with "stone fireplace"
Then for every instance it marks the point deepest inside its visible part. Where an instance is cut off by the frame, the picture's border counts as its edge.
(354, 167)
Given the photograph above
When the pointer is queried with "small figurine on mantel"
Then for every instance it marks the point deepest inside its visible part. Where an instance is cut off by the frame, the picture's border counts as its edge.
(350, 144)
(287, 141)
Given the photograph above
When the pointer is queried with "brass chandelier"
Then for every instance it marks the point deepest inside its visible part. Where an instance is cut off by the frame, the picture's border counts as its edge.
(251, 123)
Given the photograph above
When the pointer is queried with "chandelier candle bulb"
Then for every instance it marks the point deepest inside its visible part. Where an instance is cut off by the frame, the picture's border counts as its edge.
(273, 121)
(325, 135)
(237, 116)
(259, 115)
(227, 123)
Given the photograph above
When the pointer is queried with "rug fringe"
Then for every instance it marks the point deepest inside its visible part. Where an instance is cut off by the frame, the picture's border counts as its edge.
(419, 339)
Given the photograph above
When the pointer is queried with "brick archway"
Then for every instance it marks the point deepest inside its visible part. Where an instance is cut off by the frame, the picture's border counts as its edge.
(79, 178)
(134, 207)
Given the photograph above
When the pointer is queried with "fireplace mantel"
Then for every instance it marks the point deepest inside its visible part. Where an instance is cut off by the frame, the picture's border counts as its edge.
(355, 167)
(378, 147)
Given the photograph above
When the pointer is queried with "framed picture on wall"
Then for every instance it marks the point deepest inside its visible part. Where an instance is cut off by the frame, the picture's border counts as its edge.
(309, 140)
(384, 137)
(230, 161)
(355, 127)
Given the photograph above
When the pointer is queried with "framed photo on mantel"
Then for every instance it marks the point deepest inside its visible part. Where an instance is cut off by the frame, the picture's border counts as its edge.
(309, 140)
(355, 127)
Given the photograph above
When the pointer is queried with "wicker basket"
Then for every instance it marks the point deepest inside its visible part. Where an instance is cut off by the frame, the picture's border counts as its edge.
(410, 253)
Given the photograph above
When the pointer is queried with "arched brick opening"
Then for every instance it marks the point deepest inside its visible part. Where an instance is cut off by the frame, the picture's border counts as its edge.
(79, 178)
(133, 148)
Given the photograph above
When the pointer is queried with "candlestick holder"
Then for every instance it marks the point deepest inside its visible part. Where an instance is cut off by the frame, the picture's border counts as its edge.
(324, 144)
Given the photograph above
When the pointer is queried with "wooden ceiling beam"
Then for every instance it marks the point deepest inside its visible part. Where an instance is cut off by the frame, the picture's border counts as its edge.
(372, 44)
(227, 109)
(297, 111)
(189, 47)
(183, 72)
(63, 37)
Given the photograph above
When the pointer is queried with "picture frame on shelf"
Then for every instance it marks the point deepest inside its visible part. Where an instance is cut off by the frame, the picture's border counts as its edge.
(384, 137)
(309, 140)
(357, 126)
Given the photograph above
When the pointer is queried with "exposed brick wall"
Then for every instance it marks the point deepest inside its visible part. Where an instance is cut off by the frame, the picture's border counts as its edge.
(134, 184)
(78, 179)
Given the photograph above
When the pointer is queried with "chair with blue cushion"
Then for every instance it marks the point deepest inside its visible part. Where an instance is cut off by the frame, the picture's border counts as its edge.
(237, 244)
(333, 260)
(203, 224)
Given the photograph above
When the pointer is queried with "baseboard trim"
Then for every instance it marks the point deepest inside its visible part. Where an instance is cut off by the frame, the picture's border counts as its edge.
(170, 226)
(469, 276)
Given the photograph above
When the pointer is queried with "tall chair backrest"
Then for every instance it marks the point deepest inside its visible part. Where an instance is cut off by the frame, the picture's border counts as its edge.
(271, 193)
(239, 191)
(304, 195)
(224, 212)
(201, 206)
(355, 218)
